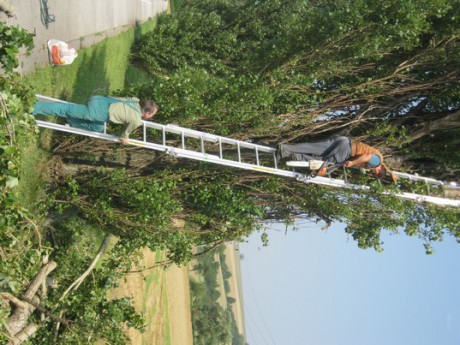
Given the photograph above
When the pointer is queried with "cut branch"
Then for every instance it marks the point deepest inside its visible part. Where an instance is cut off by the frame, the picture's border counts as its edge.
(18, 327)
(80, 279)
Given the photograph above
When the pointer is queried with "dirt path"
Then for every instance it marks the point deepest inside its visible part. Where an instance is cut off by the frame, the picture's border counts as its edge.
(232, 255)
(163, 297)
(180, 315)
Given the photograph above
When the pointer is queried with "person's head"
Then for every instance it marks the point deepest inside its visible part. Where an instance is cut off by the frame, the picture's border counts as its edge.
(379, 170)
(149, 108)
(376, 165)
(382, 170)
(375, 161)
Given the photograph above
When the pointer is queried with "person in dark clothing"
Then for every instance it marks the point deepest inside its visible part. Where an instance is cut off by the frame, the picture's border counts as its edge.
(337, 152)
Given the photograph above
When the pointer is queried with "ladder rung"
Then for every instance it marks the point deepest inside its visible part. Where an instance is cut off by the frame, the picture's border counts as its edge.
(418, 178)
(209, 137)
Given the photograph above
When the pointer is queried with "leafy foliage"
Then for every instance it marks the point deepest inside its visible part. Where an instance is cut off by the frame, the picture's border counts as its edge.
(140, 211)
(18, 233)
(16, 126)
(347, 65)
(24, 244)
(381, 70)
(212, 324)
(12, 39)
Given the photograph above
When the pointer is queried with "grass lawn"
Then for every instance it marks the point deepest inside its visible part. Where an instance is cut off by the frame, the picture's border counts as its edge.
(96, 71)
(156, 308)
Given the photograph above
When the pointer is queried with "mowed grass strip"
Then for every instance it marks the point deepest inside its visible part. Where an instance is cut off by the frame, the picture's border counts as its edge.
(98, 69)
(155, 305)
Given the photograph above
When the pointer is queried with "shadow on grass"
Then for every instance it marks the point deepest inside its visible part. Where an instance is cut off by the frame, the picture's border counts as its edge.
(135, 75)
(91, 76)
(138, 31)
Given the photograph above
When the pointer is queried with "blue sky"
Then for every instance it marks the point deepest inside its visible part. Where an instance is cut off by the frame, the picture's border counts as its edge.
(316, 287)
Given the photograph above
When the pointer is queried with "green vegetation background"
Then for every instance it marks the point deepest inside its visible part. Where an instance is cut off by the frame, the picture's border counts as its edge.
(214, 69)
(25, 176)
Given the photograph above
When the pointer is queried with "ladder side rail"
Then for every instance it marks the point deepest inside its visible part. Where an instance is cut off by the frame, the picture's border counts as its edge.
(73, 130)
(155, 125)
(247, 145)
(134, 142)
(246, 166)
(317, 180)
(430, 199)
(49, 99)
(418, 178)
(191, 132)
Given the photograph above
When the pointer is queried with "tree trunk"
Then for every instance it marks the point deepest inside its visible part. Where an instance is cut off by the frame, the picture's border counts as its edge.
(449, 122)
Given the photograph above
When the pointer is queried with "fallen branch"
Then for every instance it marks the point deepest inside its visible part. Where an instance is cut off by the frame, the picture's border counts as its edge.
(26, 303)
(80, 279)
(18, 326)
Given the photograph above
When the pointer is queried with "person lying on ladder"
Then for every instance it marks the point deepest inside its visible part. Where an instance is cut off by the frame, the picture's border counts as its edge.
(336, 152)
(91, 116)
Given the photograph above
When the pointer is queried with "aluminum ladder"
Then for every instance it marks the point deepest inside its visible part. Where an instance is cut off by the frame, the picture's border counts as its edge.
(196, 145)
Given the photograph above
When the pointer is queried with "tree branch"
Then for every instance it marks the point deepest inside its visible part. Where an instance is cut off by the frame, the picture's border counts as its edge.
(80, 279)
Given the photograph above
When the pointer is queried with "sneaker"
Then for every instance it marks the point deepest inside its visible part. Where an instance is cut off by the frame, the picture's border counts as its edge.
(297, 164)
(315, 164)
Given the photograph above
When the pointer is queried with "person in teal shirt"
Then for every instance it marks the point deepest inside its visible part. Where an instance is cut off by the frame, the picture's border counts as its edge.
(91, 116)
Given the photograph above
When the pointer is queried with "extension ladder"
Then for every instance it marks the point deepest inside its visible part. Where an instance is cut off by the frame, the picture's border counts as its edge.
(196, 145)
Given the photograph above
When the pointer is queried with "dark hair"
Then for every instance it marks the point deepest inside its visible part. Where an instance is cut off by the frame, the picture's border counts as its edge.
(148, 106)
(386, 171)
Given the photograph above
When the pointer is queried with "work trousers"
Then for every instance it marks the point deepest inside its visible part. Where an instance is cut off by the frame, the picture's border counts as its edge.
(90, 116)
(336, 150)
